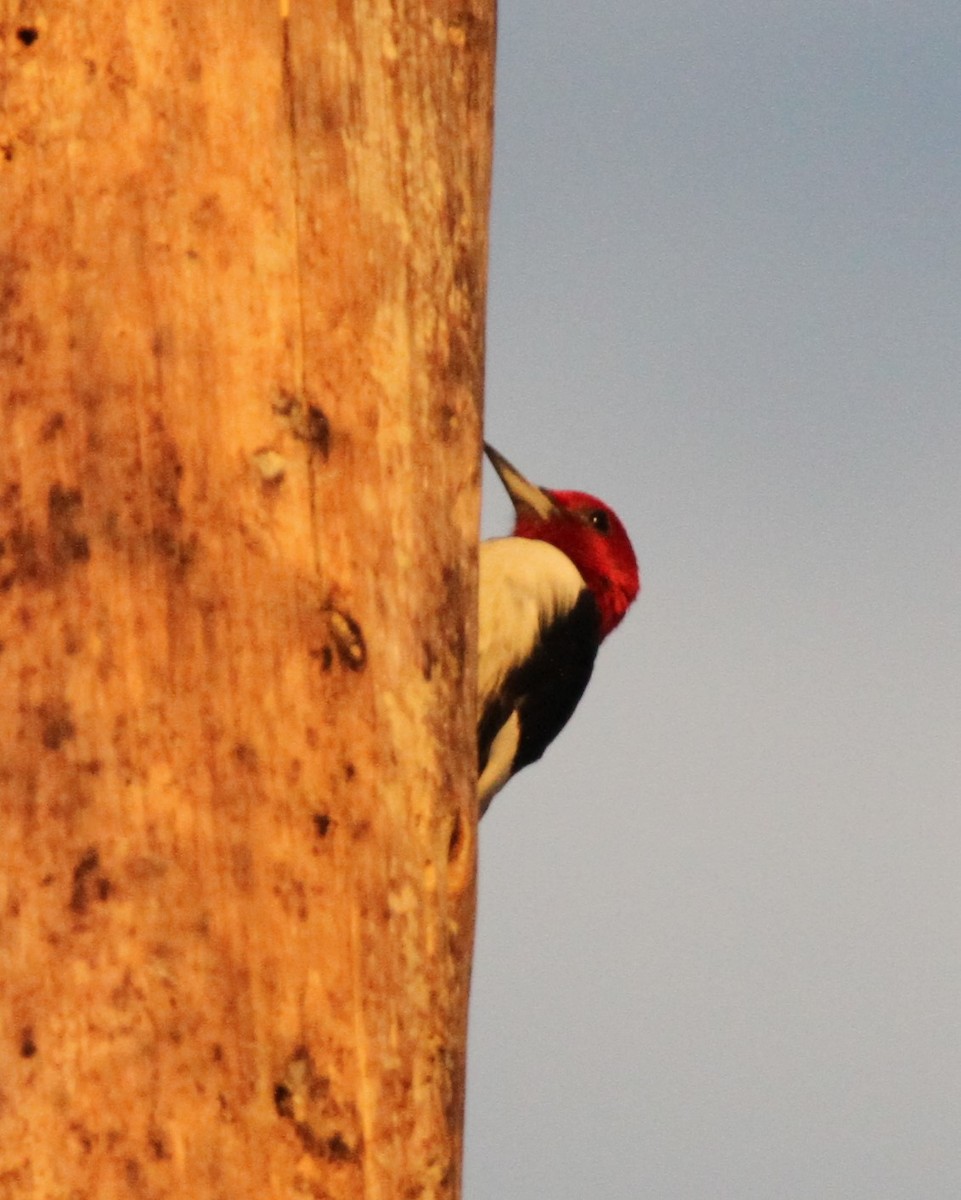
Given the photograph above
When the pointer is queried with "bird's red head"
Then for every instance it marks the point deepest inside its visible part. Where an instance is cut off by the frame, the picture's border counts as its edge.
(587, 530)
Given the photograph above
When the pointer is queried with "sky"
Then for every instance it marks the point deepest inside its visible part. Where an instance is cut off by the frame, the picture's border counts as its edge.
(719, 939)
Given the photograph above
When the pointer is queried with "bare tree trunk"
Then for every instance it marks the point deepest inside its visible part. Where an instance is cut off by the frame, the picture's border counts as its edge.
(242, 279)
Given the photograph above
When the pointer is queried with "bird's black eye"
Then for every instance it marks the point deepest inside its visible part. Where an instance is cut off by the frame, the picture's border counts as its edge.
(598, 519)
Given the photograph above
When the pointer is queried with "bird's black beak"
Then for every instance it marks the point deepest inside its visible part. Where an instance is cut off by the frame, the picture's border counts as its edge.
(525, 496)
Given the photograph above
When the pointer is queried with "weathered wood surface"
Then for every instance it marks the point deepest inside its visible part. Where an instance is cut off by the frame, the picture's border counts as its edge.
(242, 279)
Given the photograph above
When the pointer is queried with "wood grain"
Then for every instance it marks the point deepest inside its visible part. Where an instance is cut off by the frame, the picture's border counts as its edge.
(242, 281)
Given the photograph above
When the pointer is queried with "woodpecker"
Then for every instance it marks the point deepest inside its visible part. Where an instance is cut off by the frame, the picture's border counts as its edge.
(549, 595)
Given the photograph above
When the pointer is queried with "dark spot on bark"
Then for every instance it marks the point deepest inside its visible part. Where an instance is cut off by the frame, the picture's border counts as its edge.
(429, 660)
(283, 1100)
(11, 291)
(56, 726)
(217, 1053)
(324, 655)
(292, 896)
(461, 360)
(333, 1148)
(57, 731)
(315, 430)
(83, 1136)
(169, 471)
(28, 1045)
(246, 756)
(456, 838)
(52, 426)
(88, 883)
(321, 824)
(179, 552)
(134, 1174)
(338, 1150)
(453, 210)
(158, 1144)
(27, 34)
(349, 771)
(465, 274)
(93, 767)
(307, 420)
(454, 606)
(7, 150)
(67, 543)
(285, 403)
(63, 502)
(304, 1098)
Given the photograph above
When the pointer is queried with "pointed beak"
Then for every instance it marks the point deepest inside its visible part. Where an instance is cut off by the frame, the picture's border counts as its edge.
(525, 497)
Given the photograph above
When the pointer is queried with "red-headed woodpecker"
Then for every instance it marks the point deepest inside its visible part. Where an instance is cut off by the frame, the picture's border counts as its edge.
(549, 595)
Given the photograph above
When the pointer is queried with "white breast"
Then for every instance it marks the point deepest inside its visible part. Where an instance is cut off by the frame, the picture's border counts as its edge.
(523, 585)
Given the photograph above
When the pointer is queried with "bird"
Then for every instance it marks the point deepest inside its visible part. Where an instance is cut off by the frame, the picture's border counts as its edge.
(548, 596)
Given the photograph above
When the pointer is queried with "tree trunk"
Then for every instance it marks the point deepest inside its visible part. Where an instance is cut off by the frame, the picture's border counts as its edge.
(242, 279)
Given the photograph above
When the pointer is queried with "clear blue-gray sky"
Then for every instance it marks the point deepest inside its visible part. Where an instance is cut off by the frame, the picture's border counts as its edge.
(719, 941)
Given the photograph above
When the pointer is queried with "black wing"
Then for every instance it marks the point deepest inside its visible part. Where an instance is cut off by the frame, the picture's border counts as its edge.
(546, 687)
